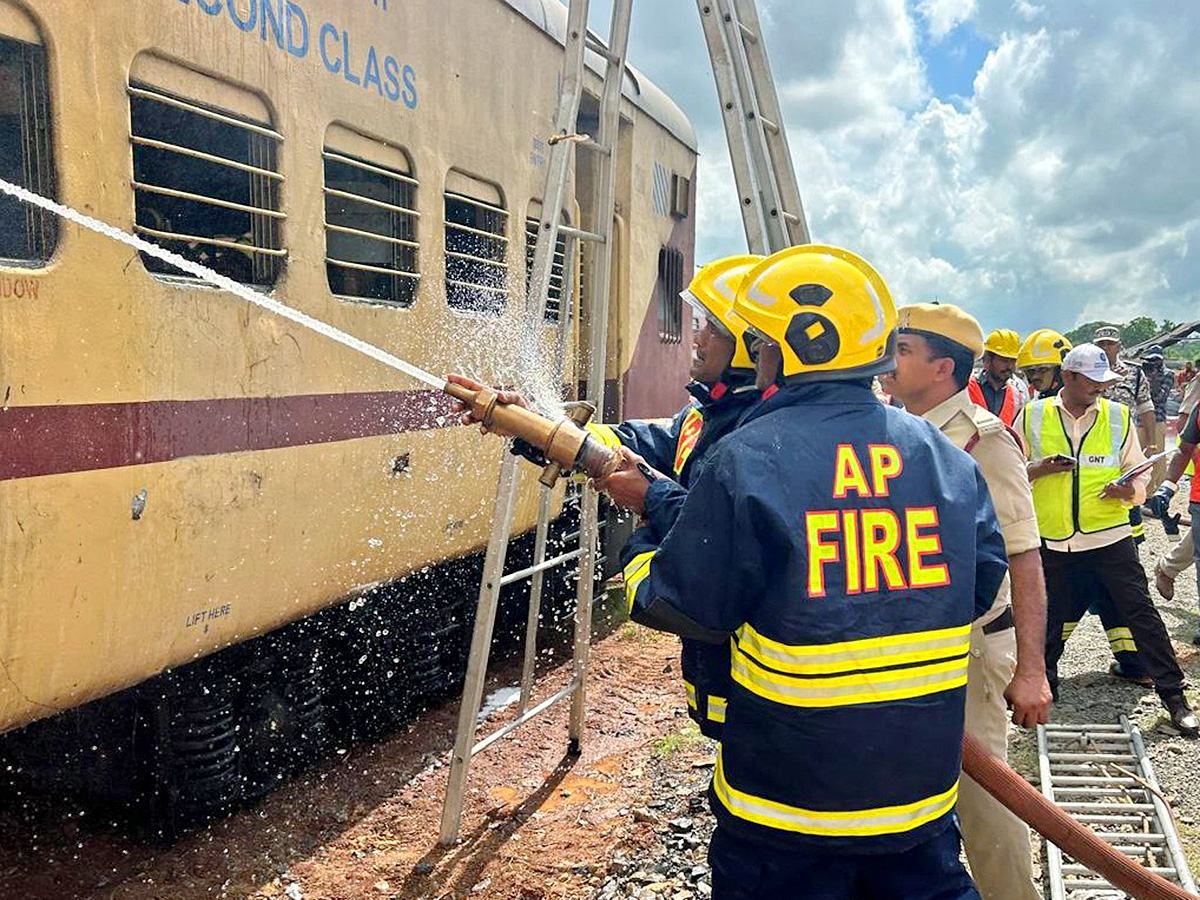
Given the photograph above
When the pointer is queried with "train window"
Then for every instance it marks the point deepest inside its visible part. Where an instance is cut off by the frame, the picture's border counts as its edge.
(670, 304)
(681, 196)
(205, 178)
(370, 220)
(476, 245)
(559, 291)
(28, 234)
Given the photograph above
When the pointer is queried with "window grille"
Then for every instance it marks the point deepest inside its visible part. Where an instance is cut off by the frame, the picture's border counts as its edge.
(370, 230)
(670, 304)
(206, 186)
(476, 254)
(28, 234)
(559, 292)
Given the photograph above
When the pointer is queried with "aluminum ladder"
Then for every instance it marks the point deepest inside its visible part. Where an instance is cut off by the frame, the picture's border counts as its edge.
(596, 230)
(1101, 776)
(768, 194)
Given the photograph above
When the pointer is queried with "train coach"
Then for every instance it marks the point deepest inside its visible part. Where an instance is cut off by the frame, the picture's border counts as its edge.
(219, 532)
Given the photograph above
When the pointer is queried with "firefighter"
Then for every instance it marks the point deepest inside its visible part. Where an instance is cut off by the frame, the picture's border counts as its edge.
(844, 547)
(996, 387)
(722, 389)
(1078, 444)
(936, 348)
(1040, 361)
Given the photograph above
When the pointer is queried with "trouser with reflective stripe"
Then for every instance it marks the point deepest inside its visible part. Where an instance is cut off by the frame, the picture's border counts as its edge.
(1073, 580)
(1137, 525)
(996, 841)
(751, 870)
(1120, 638)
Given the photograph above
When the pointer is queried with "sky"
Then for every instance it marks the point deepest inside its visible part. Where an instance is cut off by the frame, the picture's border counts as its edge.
(1027, 160)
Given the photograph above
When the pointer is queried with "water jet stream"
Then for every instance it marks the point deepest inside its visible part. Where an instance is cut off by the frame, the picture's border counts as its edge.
(227, 284)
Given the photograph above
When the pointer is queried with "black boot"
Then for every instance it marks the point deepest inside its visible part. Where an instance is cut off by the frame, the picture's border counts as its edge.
(1182, 716)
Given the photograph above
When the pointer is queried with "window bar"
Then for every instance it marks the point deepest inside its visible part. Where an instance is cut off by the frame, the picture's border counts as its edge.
(198, 239)
(481, 287)
(207, 157)
(367, 167)
(487, 234)
(372, 235)
(168, 100)
(365, 267)
(371, 201)
(478, 259)
(214, 201)
(481, 204)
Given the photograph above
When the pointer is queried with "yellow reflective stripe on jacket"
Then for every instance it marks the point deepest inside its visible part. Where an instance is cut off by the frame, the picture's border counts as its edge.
(605, 434)
(1068, 629)
(716, 708)
(1121, 638)
(691, 693)
(849, 690)
(840, 823)
(873, 653)
(635, 574)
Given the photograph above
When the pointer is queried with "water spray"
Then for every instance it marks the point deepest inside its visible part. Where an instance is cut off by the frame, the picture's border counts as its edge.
(216, 279)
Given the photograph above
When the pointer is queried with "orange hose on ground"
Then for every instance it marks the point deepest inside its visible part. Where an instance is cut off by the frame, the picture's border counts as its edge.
(1075, 839)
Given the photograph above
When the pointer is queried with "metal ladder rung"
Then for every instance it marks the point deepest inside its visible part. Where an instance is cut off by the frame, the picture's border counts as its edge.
(1086, 729)
(595, 147)
(1152, 837)
(1076, 869)
(521, 574)
(1107, 807)
(770, 126)
(582, 235)
(1096, 779)
(749, 34)
(1096, 819)
(1083, 756)
(597, 46)
(525, 717)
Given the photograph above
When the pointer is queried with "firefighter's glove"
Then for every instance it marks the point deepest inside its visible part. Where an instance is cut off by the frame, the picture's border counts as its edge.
(1159, 503)
(525, 450)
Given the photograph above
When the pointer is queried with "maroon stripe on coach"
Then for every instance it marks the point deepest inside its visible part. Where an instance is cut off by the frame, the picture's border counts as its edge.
(52, 440)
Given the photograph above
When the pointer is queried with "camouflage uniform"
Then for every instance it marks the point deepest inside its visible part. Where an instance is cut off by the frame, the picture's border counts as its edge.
(1133, 390)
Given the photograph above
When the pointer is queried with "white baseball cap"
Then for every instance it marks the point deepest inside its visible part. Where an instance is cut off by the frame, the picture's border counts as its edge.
(1091, 362)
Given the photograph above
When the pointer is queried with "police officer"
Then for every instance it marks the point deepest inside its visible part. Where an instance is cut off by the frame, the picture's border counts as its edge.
(722, 390)
(996, 387)
(936, 348)
(845, 548)
(1078, 444)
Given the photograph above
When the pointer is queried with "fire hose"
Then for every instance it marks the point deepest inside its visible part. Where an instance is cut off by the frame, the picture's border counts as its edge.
(567, 446)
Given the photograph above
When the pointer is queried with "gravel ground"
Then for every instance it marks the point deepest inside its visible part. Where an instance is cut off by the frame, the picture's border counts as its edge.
(674, 865)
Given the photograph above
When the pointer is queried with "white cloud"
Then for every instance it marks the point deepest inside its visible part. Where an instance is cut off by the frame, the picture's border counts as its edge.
(941, 16)
(1061, 191)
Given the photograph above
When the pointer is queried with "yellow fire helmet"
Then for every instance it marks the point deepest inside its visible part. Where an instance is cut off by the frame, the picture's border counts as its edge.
(711, 294)
(1003, 342)
(828, 310)
(1043, 348)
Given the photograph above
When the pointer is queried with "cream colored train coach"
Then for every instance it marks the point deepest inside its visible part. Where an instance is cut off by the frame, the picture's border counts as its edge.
(191, 486)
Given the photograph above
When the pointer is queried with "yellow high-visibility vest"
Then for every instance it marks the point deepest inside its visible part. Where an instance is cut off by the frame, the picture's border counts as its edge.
(1069, 503)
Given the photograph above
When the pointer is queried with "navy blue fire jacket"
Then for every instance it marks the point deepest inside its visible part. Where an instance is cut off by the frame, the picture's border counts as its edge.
(678, 449)
(843, 548)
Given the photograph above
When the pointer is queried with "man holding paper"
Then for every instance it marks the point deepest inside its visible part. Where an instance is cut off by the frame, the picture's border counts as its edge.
(1079, 446)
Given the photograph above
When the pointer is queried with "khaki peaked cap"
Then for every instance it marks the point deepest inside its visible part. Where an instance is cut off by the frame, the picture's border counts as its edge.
(945, 320)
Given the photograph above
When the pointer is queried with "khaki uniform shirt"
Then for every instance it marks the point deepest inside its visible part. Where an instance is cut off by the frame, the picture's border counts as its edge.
(1131, 455)
(1001, 459)
(1133, 390)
